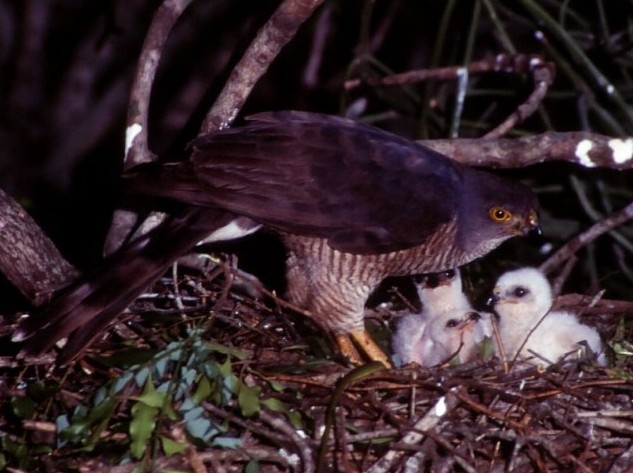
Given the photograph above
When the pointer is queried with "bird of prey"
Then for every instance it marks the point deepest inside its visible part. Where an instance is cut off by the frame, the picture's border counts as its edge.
(522, 299)
(352, 204)
(447, 324)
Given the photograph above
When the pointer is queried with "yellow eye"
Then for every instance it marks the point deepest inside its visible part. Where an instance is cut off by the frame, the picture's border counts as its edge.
(498, 214)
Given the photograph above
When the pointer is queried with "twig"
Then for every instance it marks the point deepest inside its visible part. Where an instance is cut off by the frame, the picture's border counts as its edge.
(622, 464)
(586, 237)
(543, 77)
(245, 424)
(509, 63)
(430, 420)
(305, 451)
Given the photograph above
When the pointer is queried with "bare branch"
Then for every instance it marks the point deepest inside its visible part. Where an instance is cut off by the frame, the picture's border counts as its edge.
(271, 38)
(586, 149)
(570, 248)
(136, 143)
(136, 139)
(543, 77)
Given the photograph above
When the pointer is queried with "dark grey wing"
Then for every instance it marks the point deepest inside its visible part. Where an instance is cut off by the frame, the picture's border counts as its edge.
(364, 189)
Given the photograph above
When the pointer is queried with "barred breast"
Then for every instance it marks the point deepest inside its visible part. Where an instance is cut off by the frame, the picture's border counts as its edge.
(333, 286)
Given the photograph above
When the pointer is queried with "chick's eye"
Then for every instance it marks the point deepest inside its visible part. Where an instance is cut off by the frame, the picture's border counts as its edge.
(498, 214)
(520, 291)
(474, 316)
(452, 323)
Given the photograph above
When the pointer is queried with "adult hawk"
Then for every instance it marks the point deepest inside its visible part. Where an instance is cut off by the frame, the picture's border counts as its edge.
(353, 204)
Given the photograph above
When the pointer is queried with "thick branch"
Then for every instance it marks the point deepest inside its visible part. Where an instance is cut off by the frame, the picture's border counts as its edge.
(270, 40)
(136, 141)
(27, 257)
(583, 148)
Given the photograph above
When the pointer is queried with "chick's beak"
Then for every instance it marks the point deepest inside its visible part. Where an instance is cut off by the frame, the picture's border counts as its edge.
(470, 320)
(492, 300)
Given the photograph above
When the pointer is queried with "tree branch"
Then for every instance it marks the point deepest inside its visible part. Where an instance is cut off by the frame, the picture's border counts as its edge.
(28, 258)
(583, 148)
(270, 40)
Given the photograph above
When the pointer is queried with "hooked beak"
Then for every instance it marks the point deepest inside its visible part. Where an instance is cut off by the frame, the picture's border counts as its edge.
(531, 226)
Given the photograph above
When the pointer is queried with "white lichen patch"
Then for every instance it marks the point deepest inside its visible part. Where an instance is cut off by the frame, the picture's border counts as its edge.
(440, 407)
(292, 458)
(131, 133)
(582, 153)
(622, 149)
(534, 62)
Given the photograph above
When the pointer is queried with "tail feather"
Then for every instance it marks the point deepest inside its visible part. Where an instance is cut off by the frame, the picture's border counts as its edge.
(92, 302)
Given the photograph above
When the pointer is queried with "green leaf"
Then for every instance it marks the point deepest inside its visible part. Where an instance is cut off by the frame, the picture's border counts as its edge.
(225, 368)
(152, 399)
(487, 349)
(276, 386)
(203, 390)
(223, 349)
(23, 407)
(295, 419)
(121, 382)
(230, 385)
(248, 400)
(188, 375)
(83, 420)
(252, 467)
(275, 405)
(227, 442)
(150, 396)
(144, 413)
(202, 428)
(41, 391)
(171, 447)
(142, 427)
(141, 377)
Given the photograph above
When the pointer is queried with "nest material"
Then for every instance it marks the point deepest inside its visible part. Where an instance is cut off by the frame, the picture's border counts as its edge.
(474, 417)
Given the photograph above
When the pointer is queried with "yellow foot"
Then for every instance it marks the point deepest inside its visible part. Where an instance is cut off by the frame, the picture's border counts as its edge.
(368, 347)
(362, 340)
(347, 349)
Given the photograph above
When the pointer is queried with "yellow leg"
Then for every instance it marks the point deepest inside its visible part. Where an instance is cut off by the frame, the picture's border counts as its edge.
(369, 347)
(347, 349)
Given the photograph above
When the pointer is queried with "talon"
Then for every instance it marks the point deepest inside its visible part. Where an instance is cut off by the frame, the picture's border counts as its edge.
(370, 348)
(347, 349)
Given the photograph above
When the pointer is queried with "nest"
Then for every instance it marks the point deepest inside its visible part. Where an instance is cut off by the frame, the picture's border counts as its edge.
(292, 407)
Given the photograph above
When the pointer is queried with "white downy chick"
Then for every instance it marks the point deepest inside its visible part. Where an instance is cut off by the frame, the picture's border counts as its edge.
(446, 322)
(521, 298)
